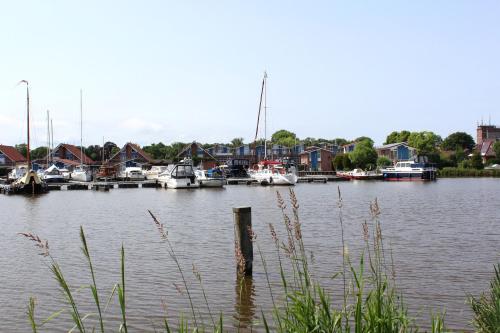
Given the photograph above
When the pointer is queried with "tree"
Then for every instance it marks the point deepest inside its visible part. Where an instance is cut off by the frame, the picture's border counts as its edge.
(496, 149)
(346, 162)
(22, 148)
(308, 142)
(340, 141)
(237, 142)
(284, 138)
(39, 153)
(157, 151)
(458, 139)
(364, 138)
(383, 161)
(476, 162)
(396, 137)
(338, 162)
(93, 151)
(364, 154)
(425, 142)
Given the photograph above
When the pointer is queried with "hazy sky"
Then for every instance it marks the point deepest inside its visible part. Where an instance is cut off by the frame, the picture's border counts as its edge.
(190, 70)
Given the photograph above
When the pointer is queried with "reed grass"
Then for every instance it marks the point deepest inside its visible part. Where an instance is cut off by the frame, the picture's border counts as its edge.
(462, 172)
(371, 300)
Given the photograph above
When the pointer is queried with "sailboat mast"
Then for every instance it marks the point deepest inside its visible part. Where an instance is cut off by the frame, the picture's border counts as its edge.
(48, 138)
(52, 141)
(81, 128)
(102, 150)
(265, 115)
(28, 122)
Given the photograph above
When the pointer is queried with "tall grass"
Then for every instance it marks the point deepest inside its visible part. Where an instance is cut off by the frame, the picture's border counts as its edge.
(461, 172)
(371, 301)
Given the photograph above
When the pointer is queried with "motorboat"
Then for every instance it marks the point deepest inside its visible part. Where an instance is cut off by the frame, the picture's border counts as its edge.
(106, 172)
(132, 173)
(53, 175)
(360, 174)
(180, 175)
(81, 174)
(410, 171)
(273, 173)
(210, 178)
(17, 172)
(154, 172)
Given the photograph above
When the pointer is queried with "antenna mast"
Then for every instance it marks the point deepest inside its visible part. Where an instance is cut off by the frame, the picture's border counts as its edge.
(81, 129)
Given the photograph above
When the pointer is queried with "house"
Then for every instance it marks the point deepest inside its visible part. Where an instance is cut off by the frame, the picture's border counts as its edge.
(242, 151)
(221, 152)
(130, 155)
(487, 132)
(317, 159)
(68, 156)
(9, 157)
(197, 153)
(348, 148)
(397, 151)
(486, 150)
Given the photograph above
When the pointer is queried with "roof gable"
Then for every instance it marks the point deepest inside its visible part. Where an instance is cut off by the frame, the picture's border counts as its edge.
(12, 153)
(77, 153)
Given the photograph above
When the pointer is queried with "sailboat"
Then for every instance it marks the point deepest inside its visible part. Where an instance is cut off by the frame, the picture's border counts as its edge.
(268, 172)
(80, 173)
(30, 182)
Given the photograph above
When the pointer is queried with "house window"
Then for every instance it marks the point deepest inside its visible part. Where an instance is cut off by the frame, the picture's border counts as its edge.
(2, 159)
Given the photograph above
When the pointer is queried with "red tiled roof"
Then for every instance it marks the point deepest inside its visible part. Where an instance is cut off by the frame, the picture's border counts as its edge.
(76, 152)
(137, 149)
(12, 154)
(66, 162)
(141, 152)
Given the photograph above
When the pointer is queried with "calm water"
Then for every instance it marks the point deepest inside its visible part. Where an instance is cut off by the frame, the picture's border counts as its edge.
(445, 238)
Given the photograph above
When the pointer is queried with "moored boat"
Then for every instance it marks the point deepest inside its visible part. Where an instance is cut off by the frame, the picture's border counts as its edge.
(360, 174)
(154, 172)
(210, 178)
(410, 171)
(53, 175)
(132, 173)
(273, 173)
(180, 175)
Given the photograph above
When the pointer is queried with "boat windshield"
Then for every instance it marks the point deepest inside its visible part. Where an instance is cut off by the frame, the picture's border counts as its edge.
(183, 171)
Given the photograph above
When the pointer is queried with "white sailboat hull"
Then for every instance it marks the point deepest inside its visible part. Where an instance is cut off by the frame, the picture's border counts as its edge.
(81, 176)
(268, 178)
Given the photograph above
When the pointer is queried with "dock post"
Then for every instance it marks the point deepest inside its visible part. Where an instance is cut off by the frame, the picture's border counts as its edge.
(243, 239)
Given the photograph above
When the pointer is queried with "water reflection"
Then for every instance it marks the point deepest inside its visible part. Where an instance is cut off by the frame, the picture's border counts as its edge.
(244, 304)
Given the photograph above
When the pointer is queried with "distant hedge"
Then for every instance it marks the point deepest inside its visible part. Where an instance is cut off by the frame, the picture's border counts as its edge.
(460, 172)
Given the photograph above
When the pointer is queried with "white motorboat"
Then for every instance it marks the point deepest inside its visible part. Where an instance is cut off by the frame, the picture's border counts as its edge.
(132, 173)
(81, 174)
(154, 172)
(273, 173)
(210, 178)
(179, 176)
(410, 170)
(53, 175)
(17, 172)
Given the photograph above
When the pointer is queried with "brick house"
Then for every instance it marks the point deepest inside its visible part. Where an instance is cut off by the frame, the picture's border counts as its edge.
(317, 159)
(10, 157)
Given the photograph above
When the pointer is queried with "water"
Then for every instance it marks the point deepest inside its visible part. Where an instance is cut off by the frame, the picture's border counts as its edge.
(445, 238)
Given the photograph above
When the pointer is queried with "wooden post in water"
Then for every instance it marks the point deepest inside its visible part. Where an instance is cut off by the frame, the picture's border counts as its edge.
(243, 239)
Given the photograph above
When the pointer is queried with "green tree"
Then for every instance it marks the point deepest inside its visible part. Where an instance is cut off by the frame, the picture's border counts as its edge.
(458, 139)
(338, 162)
(364, 138)
(396, 137)
(308, 142)
(383, 161)
(284, 138)
(340, 141)
(157, 151)
(237, 142)
(22, 148)
(496, 149)
(476, 162)
(364, 154)
(425, 142)
(346, 162)
(39, 153)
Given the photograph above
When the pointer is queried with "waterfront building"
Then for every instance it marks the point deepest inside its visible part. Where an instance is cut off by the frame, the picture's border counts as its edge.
(242, 151)
(397, 151)
(316, 159)
(486, 150)
(66, 156)
(10, 157)
(131, 155)
(200, 155)
(348, 148)
(487, 132)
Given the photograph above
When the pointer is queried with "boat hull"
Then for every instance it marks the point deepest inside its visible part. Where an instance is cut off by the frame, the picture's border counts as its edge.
(212, 182)
(81, 176)
(409, 176)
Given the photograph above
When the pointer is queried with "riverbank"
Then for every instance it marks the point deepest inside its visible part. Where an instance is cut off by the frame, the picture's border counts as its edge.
(459, 172)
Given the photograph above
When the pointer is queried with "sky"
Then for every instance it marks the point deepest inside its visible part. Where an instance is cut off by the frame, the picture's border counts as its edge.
(171, 71)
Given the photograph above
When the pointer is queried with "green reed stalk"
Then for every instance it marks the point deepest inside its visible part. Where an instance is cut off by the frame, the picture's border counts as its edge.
(121, 293)
(31, 314)
(93, 286)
